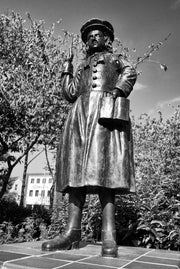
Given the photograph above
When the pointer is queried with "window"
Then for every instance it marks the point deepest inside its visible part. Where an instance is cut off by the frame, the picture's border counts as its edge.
(31, 193)
(42, 193)
(16, 187)
(50, 180)
(36, 193)
(38, 180)
(48, 194)
(32, 180)
(44, 180)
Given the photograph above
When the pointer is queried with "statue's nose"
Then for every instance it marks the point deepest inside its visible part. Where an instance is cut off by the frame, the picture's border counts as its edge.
(94, 39)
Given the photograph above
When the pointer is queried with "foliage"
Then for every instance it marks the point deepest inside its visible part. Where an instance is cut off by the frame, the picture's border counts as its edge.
(32, 108)
(126, 220)
(135, 60)
(19, 224)
(59, 217)
(157, 156)
(11, 212)
(91, 221)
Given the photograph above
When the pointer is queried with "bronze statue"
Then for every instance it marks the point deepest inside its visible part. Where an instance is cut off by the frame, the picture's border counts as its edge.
(96, 154)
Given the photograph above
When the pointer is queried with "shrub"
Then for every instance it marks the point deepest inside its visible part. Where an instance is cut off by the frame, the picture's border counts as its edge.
(157, 156)
(19, 224)
(11, 212)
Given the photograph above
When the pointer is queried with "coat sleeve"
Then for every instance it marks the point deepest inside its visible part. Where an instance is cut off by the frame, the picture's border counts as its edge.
(127, 77)
(70, 84)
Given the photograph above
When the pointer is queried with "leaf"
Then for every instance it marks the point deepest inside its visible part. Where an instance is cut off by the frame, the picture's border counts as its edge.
(143, 227)
(157, 222)
(173, 234)
(163, 67)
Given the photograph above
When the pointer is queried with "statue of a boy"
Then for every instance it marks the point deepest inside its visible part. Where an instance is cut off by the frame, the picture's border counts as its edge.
(95, 155)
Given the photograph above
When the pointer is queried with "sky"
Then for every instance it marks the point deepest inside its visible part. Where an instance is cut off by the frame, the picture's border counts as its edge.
(137, 23)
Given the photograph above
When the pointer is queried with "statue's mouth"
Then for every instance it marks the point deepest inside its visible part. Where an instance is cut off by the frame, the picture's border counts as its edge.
(94, 43)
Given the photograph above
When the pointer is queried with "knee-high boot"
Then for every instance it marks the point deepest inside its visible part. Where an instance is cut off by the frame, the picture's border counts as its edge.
(108, 234)
(72, 235)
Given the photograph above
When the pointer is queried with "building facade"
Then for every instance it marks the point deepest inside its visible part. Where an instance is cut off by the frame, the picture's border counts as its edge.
(37, 192)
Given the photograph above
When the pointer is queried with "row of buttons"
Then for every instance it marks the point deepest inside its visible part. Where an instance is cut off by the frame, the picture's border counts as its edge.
(94, 85)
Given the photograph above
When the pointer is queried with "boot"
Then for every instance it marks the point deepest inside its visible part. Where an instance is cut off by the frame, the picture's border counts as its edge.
(108, 234)
(69, 240)
(109, 246)
(72, 236)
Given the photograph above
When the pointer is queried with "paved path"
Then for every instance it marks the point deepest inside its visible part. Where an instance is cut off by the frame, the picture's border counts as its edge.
(29, 256)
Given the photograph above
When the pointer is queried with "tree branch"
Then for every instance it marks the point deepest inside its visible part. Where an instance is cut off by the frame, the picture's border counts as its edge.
(26, 151)
(35, 156)
(47, 160)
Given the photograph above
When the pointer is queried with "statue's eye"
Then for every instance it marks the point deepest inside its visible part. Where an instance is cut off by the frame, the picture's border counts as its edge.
(89, 37)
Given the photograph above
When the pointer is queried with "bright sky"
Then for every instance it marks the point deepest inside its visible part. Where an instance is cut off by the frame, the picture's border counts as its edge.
(137, 23)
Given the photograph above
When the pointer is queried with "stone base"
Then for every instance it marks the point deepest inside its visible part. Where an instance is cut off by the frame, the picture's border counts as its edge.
(29, 256)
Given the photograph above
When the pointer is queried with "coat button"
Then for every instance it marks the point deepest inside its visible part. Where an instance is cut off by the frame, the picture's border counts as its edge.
(94, 77)
(94, 70)
(94, 85)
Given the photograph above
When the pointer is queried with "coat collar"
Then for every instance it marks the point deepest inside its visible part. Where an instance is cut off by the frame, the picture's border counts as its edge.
(96, 57)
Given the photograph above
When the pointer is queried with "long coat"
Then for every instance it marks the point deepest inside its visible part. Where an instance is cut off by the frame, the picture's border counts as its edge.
(92, 155)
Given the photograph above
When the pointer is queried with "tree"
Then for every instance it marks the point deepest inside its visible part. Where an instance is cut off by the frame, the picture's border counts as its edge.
(32, 108)
(157, 156)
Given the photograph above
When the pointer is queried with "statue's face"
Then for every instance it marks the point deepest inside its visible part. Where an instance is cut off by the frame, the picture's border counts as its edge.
(95, 41)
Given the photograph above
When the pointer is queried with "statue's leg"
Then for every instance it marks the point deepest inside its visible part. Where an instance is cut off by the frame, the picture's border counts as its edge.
(108, 234)
(72, 235)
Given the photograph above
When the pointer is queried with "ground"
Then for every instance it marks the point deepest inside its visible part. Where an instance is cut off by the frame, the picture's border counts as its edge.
(29, 256)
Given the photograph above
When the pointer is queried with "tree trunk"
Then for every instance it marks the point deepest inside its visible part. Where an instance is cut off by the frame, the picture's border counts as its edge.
(5, 181)
(24, 179)
(53, 188)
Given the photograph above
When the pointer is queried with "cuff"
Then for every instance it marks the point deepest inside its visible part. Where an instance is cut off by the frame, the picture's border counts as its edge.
(67, 68)
(121, 93)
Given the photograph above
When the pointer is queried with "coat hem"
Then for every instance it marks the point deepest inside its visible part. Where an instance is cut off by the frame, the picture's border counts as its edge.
(97, 189)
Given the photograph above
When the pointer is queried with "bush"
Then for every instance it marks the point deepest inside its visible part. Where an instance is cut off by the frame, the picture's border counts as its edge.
(59, 217)
(11, 212)
(126, 220)
(157, 159)
(19, 224)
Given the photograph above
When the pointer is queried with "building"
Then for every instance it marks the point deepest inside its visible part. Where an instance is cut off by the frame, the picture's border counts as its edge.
(37, 191)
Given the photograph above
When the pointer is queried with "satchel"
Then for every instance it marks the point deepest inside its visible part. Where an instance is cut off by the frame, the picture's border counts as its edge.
(114, 111)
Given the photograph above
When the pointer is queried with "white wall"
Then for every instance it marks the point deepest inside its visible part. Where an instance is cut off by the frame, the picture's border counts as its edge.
(38, 183)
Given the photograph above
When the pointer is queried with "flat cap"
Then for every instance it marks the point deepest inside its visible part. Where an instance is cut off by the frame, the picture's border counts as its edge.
(97, 24)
